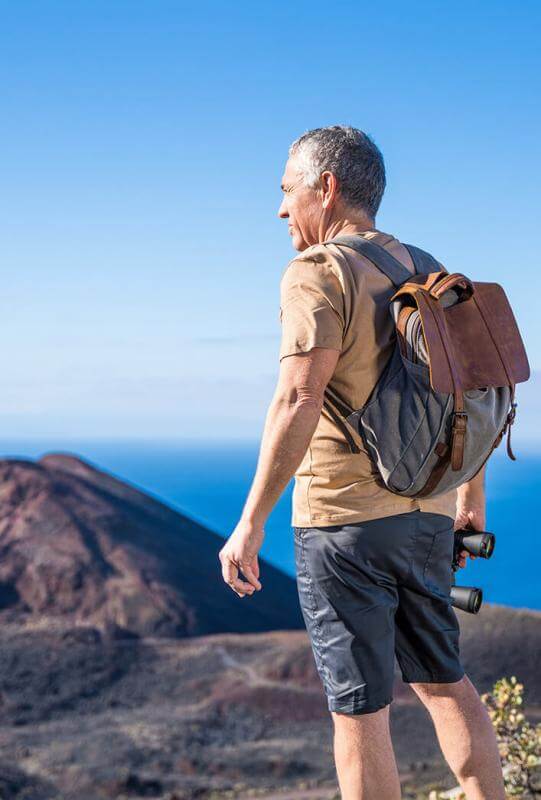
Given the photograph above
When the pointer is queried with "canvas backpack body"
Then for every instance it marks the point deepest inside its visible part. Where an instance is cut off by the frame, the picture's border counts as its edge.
(446, 397)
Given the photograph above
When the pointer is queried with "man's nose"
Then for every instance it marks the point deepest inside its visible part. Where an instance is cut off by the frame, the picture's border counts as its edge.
(282, 211)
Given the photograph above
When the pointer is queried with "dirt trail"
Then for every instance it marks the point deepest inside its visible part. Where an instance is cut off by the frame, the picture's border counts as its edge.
(252, 676)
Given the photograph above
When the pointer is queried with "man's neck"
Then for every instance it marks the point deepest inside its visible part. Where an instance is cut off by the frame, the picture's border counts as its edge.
(345, 227)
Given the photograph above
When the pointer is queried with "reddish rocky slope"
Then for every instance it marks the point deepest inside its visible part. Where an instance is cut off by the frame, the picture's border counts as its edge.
(78, 544)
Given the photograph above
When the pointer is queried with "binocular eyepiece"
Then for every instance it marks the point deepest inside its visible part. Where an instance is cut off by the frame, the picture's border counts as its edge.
(478, 543)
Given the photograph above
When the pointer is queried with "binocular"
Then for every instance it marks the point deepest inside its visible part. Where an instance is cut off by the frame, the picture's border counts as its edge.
(478, 543)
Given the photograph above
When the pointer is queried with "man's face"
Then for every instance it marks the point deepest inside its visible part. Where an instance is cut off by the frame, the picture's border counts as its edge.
(301, 206)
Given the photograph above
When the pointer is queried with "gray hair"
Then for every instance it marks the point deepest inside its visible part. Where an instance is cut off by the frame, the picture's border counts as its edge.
(350, 155)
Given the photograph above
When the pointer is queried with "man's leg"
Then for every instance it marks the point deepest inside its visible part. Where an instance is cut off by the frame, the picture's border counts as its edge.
(364, 756)
(348, 594)
(466, 736)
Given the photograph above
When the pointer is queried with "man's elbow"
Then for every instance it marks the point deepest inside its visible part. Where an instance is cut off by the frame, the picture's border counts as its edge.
(301, 397)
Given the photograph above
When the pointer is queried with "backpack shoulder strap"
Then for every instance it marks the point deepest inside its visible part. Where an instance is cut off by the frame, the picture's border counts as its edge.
(397, 274)
(378, 255)
(423, 262)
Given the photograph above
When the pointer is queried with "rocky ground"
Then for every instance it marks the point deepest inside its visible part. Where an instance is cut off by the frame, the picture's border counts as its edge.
(89, 717)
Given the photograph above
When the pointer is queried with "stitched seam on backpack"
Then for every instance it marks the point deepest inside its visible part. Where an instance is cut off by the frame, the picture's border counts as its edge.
(414, 434)
(431, 451)
(444, 419)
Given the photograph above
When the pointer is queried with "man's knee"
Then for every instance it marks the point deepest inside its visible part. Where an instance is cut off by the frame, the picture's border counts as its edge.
(361, 718)
(430, 692)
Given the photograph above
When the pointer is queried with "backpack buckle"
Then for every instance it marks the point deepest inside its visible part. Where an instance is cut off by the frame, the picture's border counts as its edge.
(512, 414)
(460, 420)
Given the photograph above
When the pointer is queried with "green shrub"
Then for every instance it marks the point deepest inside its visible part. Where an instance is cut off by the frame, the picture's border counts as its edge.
(519, 742)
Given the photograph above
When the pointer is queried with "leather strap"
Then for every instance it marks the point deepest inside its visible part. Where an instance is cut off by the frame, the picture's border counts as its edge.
(452, 281)
(459, 418)
(459, 426)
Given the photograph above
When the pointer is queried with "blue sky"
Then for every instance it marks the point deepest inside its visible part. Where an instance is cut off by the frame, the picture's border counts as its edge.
(142, 149)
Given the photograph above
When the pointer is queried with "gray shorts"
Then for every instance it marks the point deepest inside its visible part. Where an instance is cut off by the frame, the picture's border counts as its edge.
(372, 590)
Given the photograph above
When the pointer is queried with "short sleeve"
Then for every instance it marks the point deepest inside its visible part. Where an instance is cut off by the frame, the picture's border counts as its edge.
(311, 308)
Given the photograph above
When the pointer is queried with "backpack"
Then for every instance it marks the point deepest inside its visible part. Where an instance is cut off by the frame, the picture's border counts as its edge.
(446, 397)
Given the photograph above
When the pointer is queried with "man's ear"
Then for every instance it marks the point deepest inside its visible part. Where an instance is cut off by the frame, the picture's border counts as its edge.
(329, 188)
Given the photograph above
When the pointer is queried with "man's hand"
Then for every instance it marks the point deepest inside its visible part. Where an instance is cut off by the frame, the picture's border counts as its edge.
(470, 512)
(240, 553)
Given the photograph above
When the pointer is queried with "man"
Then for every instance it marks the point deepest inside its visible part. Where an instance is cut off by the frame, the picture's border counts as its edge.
(373, 567)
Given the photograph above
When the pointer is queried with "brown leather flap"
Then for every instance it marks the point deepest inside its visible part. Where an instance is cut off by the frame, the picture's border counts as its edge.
(481, 334)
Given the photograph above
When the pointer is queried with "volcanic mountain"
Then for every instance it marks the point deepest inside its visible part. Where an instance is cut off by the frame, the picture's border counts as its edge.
(78, 544)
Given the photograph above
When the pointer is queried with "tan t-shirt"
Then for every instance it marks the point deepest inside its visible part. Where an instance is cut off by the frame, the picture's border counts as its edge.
(333, 297)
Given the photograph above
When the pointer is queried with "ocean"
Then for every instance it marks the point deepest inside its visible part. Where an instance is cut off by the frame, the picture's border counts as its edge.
(209, 483)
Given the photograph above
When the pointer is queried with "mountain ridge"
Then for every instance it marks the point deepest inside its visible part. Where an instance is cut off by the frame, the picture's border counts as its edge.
(80, 543)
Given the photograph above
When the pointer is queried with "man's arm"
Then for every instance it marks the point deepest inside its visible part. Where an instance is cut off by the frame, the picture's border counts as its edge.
(471, 507)
(289, 426)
